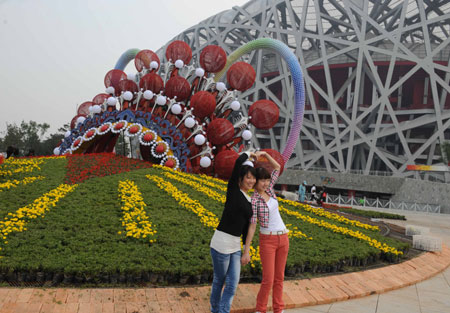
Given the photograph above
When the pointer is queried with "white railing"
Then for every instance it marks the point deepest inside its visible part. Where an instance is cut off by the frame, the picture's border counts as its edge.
(383, 204)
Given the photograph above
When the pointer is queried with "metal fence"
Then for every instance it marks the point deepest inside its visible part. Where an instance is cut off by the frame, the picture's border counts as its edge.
(383, 204)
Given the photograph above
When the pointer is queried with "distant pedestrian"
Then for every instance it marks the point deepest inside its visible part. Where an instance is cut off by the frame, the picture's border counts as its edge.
(302, 192)
(313, 192)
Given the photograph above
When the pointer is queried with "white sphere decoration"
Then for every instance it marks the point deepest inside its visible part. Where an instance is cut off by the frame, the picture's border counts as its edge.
(67, 134)
(148, 94)
(179, 63)
(56, 151)
(154, 65)
(199, 72)
(110, 90)
(199, 139)
(246, 134)
(80, 119)
(235, 105)
(96, 109)
(161, 100)
(205, 161)
(127, 95)
(131, 76)
(90, 109)
(176, 109)
(189, 122)
(111, 101)
(221, 86)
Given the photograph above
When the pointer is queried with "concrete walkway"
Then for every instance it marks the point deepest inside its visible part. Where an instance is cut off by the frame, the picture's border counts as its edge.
(430, 296)
(318, 294)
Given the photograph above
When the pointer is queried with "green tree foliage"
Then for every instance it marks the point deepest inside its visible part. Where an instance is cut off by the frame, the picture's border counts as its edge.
(29, 136)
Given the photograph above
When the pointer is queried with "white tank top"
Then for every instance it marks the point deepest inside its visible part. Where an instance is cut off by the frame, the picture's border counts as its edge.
(275, 221)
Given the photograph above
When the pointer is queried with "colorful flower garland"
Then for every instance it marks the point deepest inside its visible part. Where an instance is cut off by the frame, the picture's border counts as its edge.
(134, 219)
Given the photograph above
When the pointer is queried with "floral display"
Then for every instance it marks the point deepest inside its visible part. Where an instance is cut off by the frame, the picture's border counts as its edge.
(14, 182)
(134, 219)
(16, 222)
(80, 168)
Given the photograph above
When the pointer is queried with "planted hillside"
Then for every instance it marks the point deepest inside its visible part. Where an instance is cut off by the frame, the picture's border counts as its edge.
(107, 219)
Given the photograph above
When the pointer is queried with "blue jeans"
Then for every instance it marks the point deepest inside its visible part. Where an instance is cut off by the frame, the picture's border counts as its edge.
(227, 269)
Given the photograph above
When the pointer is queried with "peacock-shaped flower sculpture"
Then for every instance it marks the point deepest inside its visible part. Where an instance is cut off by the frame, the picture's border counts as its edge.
(180, 115)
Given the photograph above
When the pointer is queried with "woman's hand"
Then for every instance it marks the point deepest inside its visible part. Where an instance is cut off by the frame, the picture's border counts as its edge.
(245, 259)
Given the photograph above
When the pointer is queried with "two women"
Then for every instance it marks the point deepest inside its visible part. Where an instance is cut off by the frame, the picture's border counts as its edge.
(239, 218)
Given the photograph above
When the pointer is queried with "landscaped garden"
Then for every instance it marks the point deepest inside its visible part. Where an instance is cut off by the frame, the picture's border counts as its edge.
(105, 219)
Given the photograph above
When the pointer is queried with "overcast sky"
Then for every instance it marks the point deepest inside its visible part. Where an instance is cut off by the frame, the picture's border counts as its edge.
(55, 54)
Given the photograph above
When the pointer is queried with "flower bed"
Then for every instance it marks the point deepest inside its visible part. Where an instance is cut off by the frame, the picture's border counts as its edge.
(104, 229)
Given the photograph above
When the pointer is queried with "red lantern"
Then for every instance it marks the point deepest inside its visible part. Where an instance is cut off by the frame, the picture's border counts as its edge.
(152, 82)
(213, 59)
(224, 163)
(220, 131)
(113, 77)
(241, 76)
(204, 104)
(144, 58)
(264, 113)
(179, 87)
(179, 50)
(264, 162)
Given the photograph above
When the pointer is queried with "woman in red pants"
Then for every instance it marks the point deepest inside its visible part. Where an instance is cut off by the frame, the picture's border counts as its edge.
(273, 238)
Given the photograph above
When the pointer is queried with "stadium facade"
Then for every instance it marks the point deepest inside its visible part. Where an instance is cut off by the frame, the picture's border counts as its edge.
(376, 75)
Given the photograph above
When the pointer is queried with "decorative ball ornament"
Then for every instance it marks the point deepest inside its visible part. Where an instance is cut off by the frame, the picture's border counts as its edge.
(189, 122)
(199, 72)
(179, 63)
(67, 134)
(148, 95)
(80, 120)
(213, 58)
(246, 135)
(90, 110)
(204, 104)
(96, 109)
(131, 76)
(220, 131)
(199, 139)
(235, 105)
(264, 114)
(110, 90)
(178, 87)
(205, 162)
(112, 101)
(221, 86)
(263, 162)
(56, 151)
(224, 163)
(161, 100)
(154, 65)
(127, 95)
(241, 76)
(176, 109)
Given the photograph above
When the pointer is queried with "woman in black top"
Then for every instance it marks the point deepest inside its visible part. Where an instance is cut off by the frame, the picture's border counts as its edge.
(226, 242)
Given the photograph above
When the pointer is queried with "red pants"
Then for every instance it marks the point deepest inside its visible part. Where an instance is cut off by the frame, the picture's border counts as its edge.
(273, 250)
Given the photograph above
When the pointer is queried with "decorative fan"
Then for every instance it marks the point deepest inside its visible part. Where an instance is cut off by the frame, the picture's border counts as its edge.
(179, 115)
